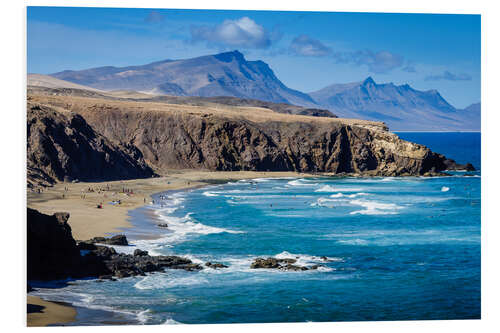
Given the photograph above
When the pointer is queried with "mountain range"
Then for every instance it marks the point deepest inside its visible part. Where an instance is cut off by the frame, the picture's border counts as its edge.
(399, 106)
(224, 74)
(229, 74)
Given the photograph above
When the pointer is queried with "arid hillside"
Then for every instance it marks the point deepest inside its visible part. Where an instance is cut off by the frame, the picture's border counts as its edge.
(64, 88)
(223, 137)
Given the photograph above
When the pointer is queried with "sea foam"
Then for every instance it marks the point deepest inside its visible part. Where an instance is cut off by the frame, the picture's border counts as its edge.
(375, 208)
(164, 281)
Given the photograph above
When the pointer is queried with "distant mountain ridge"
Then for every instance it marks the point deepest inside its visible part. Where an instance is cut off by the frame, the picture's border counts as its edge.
(229, 74)
(400, 106)
(224, 74)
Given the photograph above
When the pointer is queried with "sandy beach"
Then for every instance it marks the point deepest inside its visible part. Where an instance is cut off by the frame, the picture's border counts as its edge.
(87, 221)
(81, 199)
(43, 313)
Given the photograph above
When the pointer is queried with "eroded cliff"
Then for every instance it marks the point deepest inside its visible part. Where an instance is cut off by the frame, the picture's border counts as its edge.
(62, 146)
(189, 137)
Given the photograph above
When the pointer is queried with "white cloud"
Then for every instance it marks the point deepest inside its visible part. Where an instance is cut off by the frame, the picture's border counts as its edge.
(243, 32)
(377, 62)
(447, 75)
(310, 47)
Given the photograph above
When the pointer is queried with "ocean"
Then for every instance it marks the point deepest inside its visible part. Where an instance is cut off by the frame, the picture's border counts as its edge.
(396, 249)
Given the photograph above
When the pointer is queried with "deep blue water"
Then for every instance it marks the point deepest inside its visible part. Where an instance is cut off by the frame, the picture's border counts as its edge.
(463, 147)
(397, 248)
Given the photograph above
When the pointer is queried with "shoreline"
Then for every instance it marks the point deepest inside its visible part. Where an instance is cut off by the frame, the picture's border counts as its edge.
(149, 188)
(87, 221)
(43, 313)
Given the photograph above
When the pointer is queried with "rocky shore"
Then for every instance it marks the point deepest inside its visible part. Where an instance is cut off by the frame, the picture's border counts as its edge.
(54, 254)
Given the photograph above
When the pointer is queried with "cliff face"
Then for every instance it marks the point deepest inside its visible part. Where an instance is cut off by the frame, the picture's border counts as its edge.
(52, 251)
(98, 139)
(62, 146)
(189, 140)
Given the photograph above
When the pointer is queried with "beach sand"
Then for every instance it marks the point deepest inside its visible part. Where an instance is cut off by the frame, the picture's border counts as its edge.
(43, 313)
(88, 221)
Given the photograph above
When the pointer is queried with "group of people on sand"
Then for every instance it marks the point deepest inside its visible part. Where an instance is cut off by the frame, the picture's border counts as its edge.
(37, 190)
(127, 191)
(98, 190)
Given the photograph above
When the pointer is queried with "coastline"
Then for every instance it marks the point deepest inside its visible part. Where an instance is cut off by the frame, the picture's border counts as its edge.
(150, 188)
(87, 221)
(44, 313)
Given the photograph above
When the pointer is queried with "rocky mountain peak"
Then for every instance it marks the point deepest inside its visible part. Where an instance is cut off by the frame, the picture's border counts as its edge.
(222, 74)
(230, 56)
(369, 82)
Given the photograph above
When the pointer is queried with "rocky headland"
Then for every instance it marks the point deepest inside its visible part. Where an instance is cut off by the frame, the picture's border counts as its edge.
(73, 137)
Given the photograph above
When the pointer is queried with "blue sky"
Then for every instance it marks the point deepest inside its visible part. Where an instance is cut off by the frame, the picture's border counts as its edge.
(306, 50)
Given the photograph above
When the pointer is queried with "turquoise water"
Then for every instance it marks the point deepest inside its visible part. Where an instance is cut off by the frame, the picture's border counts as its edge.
(397, 248)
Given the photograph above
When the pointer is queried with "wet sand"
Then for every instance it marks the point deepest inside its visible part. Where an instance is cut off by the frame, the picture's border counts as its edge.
(43, 313)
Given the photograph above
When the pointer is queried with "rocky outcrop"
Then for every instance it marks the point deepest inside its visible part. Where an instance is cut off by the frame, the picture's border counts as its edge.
(205, 141)
(115, 240)
(192, 137)
(284, 264)
(52, 251)
(62, 146)
(53, 254)
(215, 265)
(102, 261)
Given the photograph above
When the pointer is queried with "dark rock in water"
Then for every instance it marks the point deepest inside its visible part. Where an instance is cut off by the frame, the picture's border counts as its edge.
(54, 254)
(115, 240)
(85, 246)
(469, 167)
(104, 251)
(271, 262)
(215, 265)
(285, 264)
(162, 225)
(293, 268)
(139, 252)
(123, 273)
(30, 289)
(190, 267)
